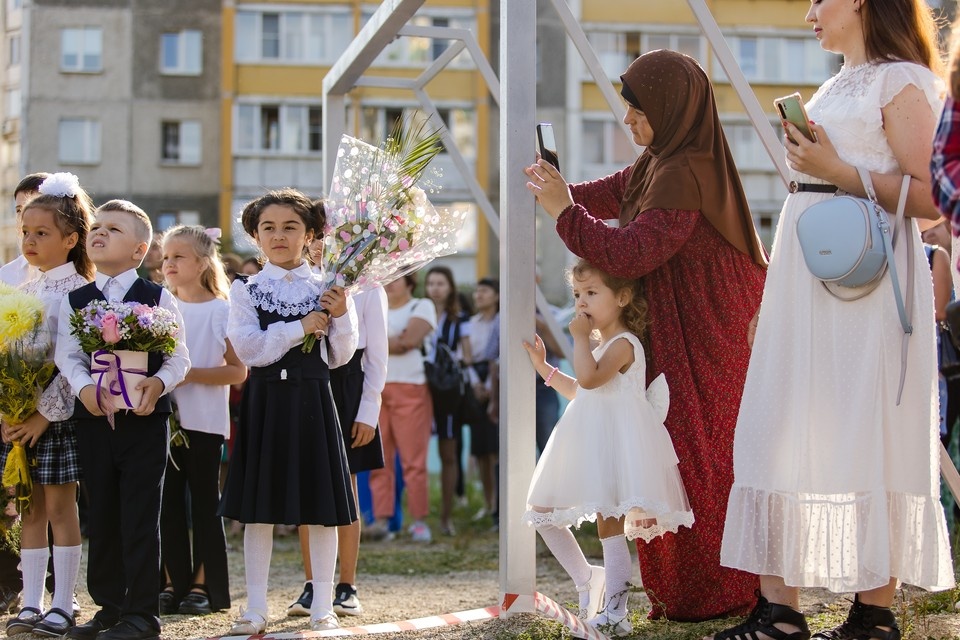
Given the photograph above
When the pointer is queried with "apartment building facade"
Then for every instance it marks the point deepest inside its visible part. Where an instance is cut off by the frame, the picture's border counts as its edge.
(277, 53)
(123, 93)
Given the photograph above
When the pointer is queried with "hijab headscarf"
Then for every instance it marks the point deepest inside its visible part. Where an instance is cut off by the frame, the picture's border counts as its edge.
(688, 165)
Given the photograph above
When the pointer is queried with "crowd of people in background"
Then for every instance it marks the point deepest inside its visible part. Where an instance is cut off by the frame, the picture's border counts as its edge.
(218, 398)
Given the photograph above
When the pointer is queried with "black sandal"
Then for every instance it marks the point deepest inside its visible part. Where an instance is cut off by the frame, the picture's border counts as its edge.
(862, 623)
(168, 604)
(53, 629)
(761, 621)
(196, 602)
(21, 623)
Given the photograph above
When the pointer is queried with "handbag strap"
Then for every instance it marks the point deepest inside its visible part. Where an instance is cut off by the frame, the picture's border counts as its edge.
(888, 239)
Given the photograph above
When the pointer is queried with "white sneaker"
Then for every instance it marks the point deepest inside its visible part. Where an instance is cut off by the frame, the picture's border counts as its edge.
(327, 622)
(596, 587)
(250, 623)
(420, 532)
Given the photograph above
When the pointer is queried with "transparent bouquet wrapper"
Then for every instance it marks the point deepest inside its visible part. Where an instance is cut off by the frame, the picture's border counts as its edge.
(378, 227)
(117, 374)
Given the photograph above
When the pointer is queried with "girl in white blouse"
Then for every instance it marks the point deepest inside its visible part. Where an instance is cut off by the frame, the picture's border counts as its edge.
(197, 583)
(289, 465)
(54, 234)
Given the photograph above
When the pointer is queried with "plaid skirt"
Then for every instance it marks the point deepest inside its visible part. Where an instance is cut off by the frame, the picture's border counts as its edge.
(54, 459)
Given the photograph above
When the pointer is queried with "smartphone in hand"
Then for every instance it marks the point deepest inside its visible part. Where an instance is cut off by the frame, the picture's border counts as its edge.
(548, 144)
(791, 109)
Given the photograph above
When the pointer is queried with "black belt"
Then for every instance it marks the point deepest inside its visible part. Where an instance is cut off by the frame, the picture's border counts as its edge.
(795, 186)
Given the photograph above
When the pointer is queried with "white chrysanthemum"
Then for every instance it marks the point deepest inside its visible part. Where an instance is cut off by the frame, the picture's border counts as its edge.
(61, 185)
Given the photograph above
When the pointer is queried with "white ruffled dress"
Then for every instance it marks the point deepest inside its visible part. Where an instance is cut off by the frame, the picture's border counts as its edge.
(835, 485)
(611, 454)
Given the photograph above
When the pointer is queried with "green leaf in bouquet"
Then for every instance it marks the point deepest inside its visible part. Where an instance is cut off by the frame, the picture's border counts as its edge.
(414, 148)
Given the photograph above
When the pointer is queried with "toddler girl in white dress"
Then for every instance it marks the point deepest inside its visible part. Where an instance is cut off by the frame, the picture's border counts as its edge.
(609, 459)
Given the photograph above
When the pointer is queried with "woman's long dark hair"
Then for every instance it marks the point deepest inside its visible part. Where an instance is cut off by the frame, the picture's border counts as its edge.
(452, 304)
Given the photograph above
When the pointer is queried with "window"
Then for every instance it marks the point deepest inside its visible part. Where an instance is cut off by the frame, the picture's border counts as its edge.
(746, 147)
(316, 37)
(779, 59)
(81, 50)
(377, 123)
(604, 142)
(617, 49)
(13, 51)
(292, 129)
(168, 219)
(408, 51)
(181, 142)
(181, 53)
(79, 141)
(12, 103)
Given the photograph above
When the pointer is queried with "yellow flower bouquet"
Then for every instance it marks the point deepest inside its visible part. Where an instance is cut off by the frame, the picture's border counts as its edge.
(25, 372)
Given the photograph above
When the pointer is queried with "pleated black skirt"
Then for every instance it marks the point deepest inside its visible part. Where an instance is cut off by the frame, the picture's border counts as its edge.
(289, 465)
(346, 383)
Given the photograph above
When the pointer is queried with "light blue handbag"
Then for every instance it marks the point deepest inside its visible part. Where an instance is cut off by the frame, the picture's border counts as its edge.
(847, 243)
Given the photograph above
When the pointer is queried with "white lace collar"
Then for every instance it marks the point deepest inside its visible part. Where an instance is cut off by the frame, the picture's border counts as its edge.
(288, 292)
(65, 270)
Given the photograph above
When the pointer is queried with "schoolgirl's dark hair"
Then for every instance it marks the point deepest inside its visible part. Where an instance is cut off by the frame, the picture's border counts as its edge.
(310, 211)
(71, 214)
(634, 312)
(452, 304)
(30, 183)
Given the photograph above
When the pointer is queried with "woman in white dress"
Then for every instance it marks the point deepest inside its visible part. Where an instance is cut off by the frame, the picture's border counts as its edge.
(835, 485)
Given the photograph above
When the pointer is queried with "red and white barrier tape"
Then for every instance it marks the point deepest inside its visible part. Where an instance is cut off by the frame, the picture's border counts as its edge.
(541, 605)
(430, 622)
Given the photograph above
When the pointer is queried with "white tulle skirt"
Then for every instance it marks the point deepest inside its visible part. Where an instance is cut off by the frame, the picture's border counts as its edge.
(610, 454)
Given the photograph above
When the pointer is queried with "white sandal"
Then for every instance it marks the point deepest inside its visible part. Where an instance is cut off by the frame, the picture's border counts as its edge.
(596, 587)
(250, 623)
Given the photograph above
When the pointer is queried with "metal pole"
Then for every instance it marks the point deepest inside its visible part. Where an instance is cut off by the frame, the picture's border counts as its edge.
(518, 81)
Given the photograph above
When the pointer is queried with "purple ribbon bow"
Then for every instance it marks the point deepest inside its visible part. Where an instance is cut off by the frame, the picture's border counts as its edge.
(108, 362)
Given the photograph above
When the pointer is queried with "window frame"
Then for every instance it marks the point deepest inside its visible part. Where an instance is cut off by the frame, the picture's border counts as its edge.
(177, 159)
(82, 51)
(182, 67)
(92, 143)
(300, 147)
(319, 31)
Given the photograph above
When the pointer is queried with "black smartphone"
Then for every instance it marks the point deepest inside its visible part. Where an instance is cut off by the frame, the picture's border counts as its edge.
(548, 144)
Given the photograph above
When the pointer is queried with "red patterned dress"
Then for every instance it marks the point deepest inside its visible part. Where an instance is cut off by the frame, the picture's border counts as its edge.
(702, 293)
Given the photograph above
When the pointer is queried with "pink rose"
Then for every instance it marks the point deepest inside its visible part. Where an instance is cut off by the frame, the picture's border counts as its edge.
(142, 309)
(109, 329)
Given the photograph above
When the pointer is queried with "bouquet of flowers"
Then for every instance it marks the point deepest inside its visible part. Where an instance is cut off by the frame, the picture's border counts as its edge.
(119, 336)
(25, 372)
(380, 224)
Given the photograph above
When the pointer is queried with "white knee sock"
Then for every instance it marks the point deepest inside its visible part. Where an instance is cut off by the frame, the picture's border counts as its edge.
(323, 563)
(66, 566)
(616, 563)
(33, 564)
(565, 549)
(257, 549)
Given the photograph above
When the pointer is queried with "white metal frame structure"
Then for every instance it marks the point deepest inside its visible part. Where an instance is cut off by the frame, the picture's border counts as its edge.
(515, 93)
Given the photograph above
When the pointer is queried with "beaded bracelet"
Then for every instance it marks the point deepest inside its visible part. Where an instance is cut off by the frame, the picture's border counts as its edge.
(546, 381)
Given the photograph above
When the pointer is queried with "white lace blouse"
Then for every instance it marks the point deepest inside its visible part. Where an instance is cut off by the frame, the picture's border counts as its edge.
(56, 401)
(290, 293)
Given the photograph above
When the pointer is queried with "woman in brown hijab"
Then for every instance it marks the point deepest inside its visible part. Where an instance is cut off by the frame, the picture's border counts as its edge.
(686, 232)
